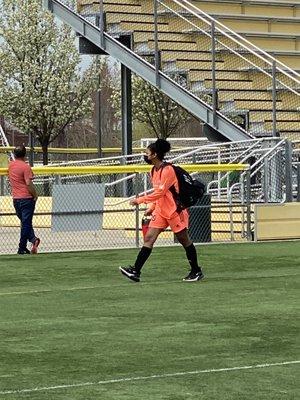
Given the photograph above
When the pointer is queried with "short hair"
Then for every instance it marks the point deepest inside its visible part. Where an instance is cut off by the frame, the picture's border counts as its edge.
(20, 151)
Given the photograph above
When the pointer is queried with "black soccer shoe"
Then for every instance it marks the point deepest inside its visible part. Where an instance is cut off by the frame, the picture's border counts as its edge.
(25, 251)
(194, 276)
(130, 273)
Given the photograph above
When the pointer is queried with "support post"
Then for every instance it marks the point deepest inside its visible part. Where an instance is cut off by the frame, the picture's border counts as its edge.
(274, 100)
(288, 171)
(213, 71)
(248, 204)
(31, 147)
(298, 182)
(157, 53)
(126, 104)
(102, 23)
(137, 214)
(98, 123)
(266, 180)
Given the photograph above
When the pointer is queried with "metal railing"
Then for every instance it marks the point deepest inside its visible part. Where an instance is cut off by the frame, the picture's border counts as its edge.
(4, 142)
(234, 77)
(245, 67)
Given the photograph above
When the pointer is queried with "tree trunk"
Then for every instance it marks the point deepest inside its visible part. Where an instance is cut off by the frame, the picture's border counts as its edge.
(46, 184)
(45, 154)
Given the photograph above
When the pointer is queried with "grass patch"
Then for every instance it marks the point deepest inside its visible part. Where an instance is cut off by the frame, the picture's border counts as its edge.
(72, 318)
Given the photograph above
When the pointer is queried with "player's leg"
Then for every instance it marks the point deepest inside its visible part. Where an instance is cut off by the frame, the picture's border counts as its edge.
(156, 226)
(179, 225)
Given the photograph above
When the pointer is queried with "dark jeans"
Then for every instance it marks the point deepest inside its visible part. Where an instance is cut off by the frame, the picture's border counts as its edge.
(24, 210)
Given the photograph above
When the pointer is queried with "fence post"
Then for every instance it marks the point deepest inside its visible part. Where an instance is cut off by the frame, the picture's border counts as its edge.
(266, 180)
(231, 220)
(288, 171)
(243, 208)
(274, 99)
(157, 54)
(137, 215)
(31, 149)
(219, 175)
(248, 204)
(298, 182)
(2, 185)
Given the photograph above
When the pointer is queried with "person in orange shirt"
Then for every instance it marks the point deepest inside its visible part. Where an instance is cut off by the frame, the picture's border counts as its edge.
(24, 199)
(163, 209)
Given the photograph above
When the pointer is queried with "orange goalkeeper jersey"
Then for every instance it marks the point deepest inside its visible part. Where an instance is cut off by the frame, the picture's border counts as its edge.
(162, 199)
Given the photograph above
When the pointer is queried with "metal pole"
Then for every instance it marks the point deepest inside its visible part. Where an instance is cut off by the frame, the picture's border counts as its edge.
(157, 55)
(137, 214)
(298, 182)
(243, 205)
(231, 220)
(31, 151)
(266, 180)
(102, 24)
(288, 171)
(98, 123)
(274, 99)
(219, 175)
(213, 71)
(2, 185)
(248, 204)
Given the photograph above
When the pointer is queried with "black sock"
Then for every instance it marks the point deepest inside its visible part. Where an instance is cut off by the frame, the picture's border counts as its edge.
(142, 258)
(192, 257)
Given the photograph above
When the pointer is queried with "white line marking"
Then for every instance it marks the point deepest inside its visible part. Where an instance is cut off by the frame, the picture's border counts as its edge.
(141, 378)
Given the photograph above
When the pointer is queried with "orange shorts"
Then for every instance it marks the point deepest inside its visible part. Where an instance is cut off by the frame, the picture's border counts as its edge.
(177, 222)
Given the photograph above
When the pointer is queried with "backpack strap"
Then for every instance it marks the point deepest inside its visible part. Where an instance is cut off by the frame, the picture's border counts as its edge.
(164, 164)
(172, 189)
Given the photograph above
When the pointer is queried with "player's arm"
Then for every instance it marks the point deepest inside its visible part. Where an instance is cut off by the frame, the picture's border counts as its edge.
(28, 176)
(32, 190)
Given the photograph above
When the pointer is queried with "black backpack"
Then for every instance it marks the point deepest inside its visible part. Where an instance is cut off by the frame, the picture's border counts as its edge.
(190, 190)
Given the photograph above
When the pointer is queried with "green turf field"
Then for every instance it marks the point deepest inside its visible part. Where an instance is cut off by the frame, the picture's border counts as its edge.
(72, 327)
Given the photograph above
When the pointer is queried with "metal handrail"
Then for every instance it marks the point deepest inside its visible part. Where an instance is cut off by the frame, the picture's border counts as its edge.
(284, 85)
(5, 141)
(268, 153)
(233, 35)
(232, 161)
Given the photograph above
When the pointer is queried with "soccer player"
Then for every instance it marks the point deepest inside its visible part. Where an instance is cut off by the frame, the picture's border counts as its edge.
(24, 199)
(163, 209)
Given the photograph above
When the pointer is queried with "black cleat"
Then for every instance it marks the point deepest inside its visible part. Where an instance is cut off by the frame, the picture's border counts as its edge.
(130, 273)
(25, 251)
(194, 276)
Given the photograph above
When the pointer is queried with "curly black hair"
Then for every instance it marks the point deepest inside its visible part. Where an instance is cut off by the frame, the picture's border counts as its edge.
(160, 147)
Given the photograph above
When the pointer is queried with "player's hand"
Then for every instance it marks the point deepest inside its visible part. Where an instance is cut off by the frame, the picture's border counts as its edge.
(148, 212)
(133, 202)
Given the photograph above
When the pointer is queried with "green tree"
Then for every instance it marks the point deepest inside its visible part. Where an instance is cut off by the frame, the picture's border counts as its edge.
(42, 89)
(162, 115)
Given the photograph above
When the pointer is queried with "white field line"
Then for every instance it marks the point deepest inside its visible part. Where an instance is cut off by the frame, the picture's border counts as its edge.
(149, 377)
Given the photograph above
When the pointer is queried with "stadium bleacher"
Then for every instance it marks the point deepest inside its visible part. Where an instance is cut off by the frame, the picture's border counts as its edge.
(242, 89)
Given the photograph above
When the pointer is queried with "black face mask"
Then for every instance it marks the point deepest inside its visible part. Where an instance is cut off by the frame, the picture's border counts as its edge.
(146, 159)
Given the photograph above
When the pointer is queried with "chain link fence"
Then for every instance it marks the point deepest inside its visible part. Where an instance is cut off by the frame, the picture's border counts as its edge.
(91, 211)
